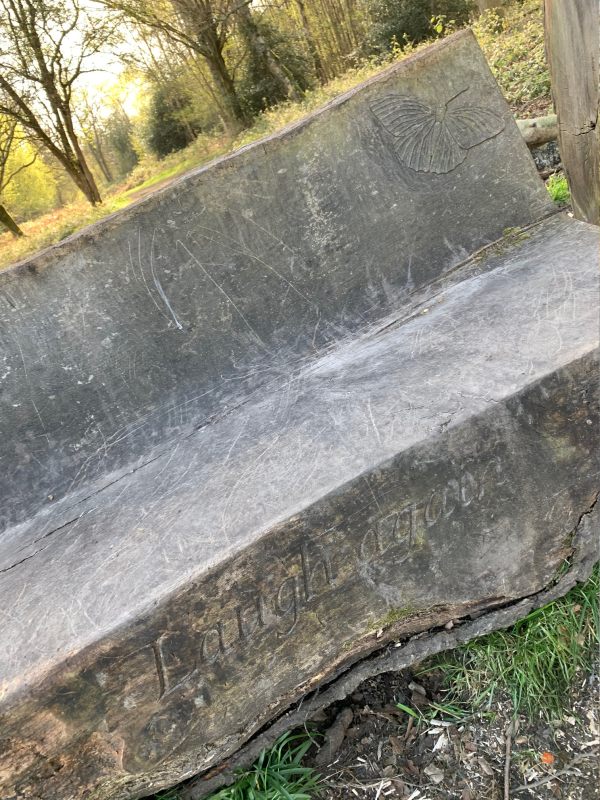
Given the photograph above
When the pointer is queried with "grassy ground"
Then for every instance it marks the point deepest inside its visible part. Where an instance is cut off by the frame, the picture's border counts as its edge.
(534, 663)
(512, 42)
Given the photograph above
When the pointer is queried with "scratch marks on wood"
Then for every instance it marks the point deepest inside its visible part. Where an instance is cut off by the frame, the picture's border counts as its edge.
(218, 286)
(239, 248)
(160, 288)
(157, 284)
(4, 295)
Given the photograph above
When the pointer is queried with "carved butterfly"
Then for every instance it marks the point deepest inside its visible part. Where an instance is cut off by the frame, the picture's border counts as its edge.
(434, 139)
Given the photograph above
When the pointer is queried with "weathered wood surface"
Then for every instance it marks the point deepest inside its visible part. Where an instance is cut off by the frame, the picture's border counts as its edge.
(572, 30)
(401, 655)
(300, 404)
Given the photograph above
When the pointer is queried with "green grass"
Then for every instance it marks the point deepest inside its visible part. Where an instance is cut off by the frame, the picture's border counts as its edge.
(277, 774)
(558, 189)
(534, 663)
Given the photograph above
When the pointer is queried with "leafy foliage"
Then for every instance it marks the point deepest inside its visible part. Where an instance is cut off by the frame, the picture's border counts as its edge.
(165, 129)
(401, 21)
(119, 133)
(33, 192)
(256, 87)
(513, 43)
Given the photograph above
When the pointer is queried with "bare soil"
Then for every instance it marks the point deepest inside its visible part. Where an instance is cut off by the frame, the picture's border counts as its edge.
(384, 752)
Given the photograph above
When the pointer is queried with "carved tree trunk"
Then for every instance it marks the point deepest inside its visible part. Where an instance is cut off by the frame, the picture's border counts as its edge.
(572, 50)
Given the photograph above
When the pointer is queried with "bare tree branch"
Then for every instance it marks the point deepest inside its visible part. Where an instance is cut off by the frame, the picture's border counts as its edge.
(45, 47)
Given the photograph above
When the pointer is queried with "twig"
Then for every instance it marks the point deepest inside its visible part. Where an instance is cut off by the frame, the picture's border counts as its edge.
(509, 734)
(565, 771)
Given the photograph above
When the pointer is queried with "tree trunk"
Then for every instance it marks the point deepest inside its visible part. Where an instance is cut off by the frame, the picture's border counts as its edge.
(102, 165)
(262, 55)
(572, 50)
(233, 115)
(9, 223)
(100, 157)
(484, 5)
(310, 41)
(86, 180)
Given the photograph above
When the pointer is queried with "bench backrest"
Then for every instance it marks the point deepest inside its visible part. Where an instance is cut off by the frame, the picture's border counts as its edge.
(170, 313)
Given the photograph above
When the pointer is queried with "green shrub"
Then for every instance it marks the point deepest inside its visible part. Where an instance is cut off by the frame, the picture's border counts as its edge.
(166, 130)
(396, 22)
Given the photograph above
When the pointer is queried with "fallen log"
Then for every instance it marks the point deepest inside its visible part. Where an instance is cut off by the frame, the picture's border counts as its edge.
(538, 131)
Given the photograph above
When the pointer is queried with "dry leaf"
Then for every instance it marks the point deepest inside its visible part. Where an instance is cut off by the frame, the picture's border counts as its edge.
(434, 773)
(485, 767)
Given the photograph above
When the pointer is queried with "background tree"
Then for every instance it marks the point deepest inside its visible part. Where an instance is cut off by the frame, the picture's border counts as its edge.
(45, 46)
(165, 64)
(89, 114)
(410, 20)
(202, 27)
(257, 87)
(9, 140)
(119, 133)
(265, 63)
(311, 42)
(33, 189)
(165, 130)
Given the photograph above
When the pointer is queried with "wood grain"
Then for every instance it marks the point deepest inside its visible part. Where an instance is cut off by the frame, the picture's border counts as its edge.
(572, 51)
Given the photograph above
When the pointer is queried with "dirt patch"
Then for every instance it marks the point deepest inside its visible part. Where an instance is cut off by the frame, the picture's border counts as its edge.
(388, 753)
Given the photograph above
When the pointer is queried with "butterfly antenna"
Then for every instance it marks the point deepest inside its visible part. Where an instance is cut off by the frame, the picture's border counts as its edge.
(458, 94)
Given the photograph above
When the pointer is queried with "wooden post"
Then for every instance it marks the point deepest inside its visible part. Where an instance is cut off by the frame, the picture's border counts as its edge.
(573, 51)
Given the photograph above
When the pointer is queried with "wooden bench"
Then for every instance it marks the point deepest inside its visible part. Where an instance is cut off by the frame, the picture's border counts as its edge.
(326, 393)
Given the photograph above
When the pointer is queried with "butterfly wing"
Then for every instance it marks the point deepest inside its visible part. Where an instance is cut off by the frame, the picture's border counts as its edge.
(471, 126)
(420, 140)
(446, 153)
